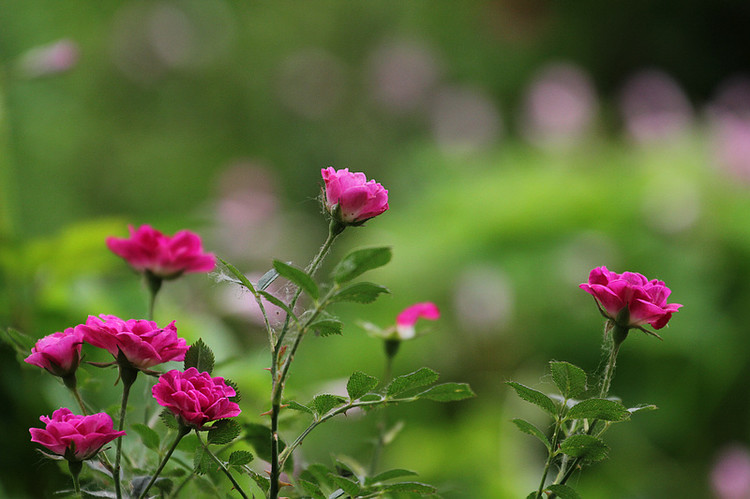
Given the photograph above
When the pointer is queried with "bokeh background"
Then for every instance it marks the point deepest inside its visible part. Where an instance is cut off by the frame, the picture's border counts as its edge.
(523, 142)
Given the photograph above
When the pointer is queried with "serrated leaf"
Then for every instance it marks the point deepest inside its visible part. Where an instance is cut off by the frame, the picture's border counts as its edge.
(324, 402)
(529, 428)
(298, 277)
(326, 325)
(169, 419)
(241, 278)
(149, 437)
(224, 431)
(603, 409)
(275, 301)
(359, 292)
(311, 488)
(237, 397)
(201, 461)
(266, 280)
(422, 377)
(390, 475)
(569, 379)
(563, 491)
(584, 446)
(200, 357)
(359, 384)
(296, 406)
(360, 261)
(415, 487)
(448, 392)
(534, 396)
(349, 486)
(240, 458)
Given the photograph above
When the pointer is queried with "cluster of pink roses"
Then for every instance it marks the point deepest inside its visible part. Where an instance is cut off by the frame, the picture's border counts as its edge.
(195, 398)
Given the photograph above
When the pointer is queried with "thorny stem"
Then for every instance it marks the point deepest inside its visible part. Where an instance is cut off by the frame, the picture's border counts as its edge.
(183, 430)
(279, 375)
(222, 467)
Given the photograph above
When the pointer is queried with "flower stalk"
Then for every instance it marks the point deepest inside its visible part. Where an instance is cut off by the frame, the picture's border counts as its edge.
(181, 432)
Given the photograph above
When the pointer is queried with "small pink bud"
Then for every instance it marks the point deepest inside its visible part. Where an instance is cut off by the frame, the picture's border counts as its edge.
(408, 318)
(351, 198)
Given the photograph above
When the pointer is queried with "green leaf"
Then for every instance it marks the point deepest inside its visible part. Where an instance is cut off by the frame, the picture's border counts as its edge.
(259, 437)
(318, 473)
(584, 446)
(360, 261)
(296, 406)
(21, 343)
(534, 396)
(326, 325)
(169, 419)
(240, 458)
(224, 431)
(529, 428)
(298, 277)
(267, 279)
(448, 392)
(262, 482)
(201, 461)
(312, 489)
(237, 397)
(639, 408)
(390, 475)
(606, 410)
(200, 357)
(272, 299)
(149, 437)
(415, 487)
(324, 402)
(359, 384)
(349, 486)
(563, 491)
(422, 377)
(359, 292)
(570, 379)
(241, 278)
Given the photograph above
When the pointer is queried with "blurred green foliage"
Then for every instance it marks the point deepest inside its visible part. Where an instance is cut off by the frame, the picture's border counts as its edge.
(166, 98)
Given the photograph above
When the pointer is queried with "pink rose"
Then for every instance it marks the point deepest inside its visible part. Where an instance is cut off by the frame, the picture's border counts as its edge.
(143, 343)
(58, 353)
(351, 197)
(166, 257)
(645, 301)
(75, 437)
(195, 398)
(408, 318)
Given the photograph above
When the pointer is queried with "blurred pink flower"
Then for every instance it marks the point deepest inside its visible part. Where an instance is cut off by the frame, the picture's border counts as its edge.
(75, 437)
(730, 476)
(645, 301)
(51, 59)
(143, 343)
(164, 256)
(654, 107)
(407, 319)
(58, 353)
(402, 74)
(351, 197)
(464, 120)
(560, 105)
(195, 398)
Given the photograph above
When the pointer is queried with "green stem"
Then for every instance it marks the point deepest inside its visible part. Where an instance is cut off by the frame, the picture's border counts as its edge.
(552, 451)
(127, 375)
(383, 423)
(279, 375)
(75, 470)
(222, 467)
(181, 432)
(153, 282)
